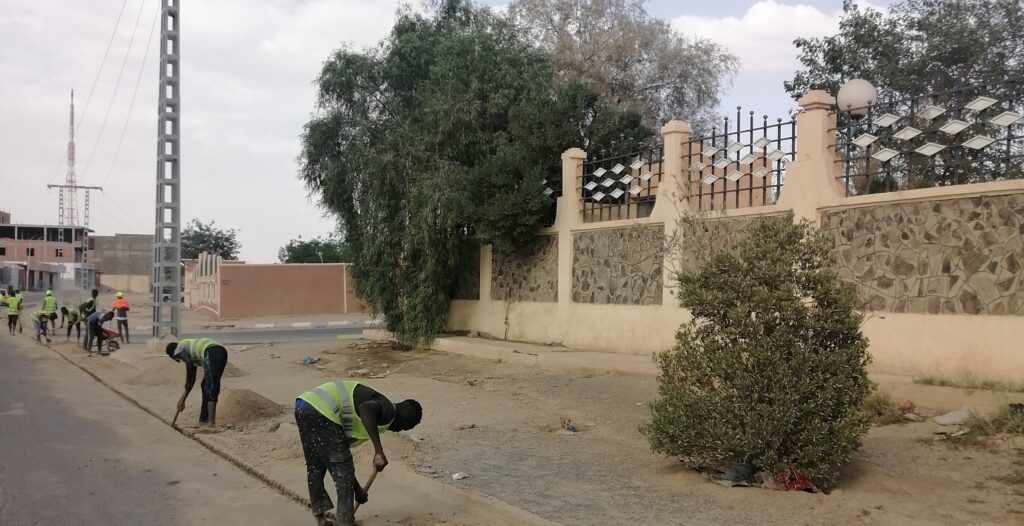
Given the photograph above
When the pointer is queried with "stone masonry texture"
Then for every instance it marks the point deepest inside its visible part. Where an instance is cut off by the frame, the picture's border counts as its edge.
(951, 256)
(618, 266)
(528, 276)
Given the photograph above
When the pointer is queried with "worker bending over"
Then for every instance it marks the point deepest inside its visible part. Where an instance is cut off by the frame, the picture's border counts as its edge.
(213, 358)
(39, 321)
(334, 418)
(74, 319)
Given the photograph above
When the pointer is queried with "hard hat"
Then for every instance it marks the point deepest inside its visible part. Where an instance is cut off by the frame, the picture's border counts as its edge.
(49, 293)
(120, 295)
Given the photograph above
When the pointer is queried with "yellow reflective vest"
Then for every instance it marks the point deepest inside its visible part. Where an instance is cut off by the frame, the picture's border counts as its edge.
(49, 304)
(13, 305)
(197, 348)
(336, 401)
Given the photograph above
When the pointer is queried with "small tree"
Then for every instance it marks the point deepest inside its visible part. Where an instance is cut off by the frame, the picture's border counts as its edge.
(317, 250)
(199, 237)
(771, 370)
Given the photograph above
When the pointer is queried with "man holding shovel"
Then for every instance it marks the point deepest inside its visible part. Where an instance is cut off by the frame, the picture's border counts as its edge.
(334, 418)
(213, 358)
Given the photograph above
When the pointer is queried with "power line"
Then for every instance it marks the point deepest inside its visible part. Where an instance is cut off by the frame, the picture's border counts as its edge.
(95, 80)
(117, 86)
(135, 92)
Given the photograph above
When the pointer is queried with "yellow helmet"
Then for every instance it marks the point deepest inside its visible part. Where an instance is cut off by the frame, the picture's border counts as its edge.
(49, 293)
(120, 295)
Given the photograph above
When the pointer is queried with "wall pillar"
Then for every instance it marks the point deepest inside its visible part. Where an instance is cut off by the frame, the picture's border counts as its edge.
(812, 180)
(568, 217)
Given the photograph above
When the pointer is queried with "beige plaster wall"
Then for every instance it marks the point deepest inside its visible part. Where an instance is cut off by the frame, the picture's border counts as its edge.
(985, 345)
(125, 283)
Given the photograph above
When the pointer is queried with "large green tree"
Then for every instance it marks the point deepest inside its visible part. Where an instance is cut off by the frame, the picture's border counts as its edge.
(921, 46)
(631, 56)
(198, 237)
(442, 137)
(330, 249)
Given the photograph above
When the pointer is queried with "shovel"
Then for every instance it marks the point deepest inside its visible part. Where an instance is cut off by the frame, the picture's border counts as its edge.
(366, 488)
(175, 419)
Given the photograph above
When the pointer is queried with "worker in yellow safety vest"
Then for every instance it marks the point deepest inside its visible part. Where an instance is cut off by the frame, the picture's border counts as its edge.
(50, 309)
(13, 311)
(213, 358)
(334, 418)
(39, 321)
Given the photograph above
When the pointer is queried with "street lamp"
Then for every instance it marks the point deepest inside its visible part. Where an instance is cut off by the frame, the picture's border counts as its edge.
(855, 97)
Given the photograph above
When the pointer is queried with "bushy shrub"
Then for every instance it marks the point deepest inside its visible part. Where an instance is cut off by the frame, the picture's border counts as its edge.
(771, 370)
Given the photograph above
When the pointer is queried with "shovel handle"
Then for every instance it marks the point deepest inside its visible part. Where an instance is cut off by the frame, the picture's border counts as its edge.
(175, 419)
(366, 488)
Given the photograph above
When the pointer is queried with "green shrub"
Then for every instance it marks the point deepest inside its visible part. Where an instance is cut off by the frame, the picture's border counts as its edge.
(771, 369)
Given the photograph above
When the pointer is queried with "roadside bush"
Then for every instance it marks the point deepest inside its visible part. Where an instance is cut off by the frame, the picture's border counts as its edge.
(771, 370)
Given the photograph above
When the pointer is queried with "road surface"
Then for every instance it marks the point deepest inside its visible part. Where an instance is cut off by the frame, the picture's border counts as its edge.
(233, 337)
(73, 452)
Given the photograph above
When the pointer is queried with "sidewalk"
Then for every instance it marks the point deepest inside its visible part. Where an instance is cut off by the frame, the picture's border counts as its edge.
(900, 387)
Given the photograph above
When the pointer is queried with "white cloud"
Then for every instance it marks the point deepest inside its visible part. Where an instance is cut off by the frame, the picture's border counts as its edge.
(763, 36)
(247, 73)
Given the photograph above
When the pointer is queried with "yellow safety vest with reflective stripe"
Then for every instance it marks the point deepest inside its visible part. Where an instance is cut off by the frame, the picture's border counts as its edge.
(197, 348)
(49, 304)
(336, 400)
(13, 305)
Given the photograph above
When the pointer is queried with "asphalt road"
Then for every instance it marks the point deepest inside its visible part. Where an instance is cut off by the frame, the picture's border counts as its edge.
(232, 337)
(74, 453)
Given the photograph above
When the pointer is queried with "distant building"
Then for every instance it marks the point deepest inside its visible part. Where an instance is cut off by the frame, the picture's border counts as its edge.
(124, 261)
(40, 257)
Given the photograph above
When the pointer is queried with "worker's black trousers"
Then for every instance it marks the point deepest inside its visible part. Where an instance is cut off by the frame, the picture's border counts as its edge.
(122, 327)
(213, 369)
(326, 449)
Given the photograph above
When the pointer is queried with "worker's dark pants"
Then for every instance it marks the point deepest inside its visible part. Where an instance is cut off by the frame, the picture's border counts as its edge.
(12, 322)
(326, 449)
(122, 327)
(213, 368)
(95, 331)
(78, 330)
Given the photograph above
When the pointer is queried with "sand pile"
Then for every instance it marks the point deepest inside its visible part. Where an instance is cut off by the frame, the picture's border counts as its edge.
(241, 406)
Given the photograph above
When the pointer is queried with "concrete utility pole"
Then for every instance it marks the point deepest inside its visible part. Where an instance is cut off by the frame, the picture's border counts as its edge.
(72, 189)
(167, 240)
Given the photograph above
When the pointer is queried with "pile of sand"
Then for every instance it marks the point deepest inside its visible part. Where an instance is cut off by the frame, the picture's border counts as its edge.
(241, 406)
(172, 373)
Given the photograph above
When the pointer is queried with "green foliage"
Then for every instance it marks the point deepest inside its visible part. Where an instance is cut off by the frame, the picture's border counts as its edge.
(198, 237)
(317, 250)
(921, 46)
(771, 370)
(442, 136)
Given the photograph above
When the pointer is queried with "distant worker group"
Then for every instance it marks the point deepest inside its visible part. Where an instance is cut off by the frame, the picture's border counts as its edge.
(44, 319)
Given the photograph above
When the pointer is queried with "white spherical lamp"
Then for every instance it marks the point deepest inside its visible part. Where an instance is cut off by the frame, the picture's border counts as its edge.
(855, 97)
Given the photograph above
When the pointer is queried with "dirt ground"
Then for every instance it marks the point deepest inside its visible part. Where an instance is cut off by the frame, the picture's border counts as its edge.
(499, 424)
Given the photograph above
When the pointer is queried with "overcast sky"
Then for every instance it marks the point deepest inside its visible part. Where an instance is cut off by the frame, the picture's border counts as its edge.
(248, 67)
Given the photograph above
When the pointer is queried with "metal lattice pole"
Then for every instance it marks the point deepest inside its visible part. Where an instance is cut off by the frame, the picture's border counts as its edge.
(167, 242)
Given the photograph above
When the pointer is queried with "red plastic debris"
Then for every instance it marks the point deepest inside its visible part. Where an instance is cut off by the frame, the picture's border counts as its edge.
(793, 480)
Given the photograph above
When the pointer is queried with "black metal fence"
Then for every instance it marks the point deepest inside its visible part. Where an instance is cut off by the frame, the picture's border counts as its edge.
(622, 187)
(742, 164)
(968, 135)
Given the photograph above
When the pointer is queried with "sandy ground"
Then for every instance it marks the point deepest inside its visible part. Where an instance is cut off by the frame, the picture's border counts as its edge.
(499, 423)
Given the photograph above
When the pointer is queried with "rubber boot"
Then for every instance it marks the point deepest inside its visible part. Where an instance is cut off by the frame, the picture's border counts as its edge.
(211, 408)
(321, 520)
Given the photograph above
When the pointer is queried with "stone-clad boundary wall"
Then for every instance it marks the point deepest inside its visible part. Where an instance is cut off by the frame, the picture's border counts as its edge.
(940, 271)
